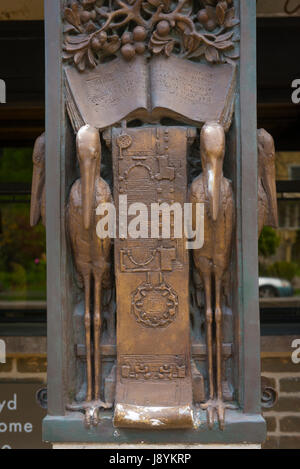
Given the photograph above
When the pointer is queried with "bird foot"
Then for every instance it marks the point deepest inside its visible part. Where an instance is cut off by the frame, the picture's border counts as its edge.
(219, 407)
(210, 407)
(91, 411)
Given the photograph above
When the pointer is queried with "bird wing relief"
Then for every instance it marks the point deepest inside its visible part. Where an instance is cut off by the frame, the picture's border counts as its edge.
(267, 173)
(38, 180)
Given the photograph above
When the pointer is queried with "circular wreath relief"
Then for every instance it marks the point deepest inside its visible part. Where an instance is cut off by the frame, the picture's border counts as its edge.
(154, 305)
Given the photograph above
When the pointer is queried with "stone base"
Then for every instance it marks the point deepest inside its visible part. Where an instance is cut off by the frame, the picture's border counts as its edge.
(68, 430)
(157, 447)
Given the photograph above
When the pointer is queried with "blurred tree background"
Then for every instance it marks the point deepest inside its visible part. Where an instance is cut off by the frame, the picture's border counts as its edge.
(22, 248)
(268, 242)
(268, 245)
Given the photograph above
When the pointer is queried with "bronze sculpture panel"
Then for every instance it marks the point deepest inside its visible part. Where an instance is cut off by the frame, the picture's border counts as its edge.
(212, 261)
(91, 257)
(154, 385)
(147, 78)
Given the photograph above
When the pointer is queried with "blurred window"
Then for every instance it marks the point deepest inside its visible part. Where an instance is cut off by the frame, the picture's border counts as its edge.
(294, 172)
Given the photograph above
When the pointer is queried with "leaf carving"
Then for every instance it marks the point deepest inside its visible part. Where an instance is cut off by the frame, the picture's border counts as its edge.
(198, 52)
(81, 65)
(224, 45)
(220, 11)
(91, 58)
(74, 47)
(169, 48)
(79, 56)
(230, 19)
(80, 39)
(72, 16)
(224, 37)
(211, 54)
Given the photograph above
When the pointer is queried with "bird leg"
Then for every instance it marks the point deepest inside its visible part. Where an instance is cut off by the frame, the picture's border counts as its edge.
(219, 342)
(97, 329)
(221, 406)
(87, 324)
(210, 405)
(219, 334)
(92, 408)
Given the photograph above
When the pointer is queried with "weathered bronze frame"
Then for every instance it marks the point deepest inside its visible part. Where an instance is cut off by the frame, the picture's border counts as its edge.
(247, 425)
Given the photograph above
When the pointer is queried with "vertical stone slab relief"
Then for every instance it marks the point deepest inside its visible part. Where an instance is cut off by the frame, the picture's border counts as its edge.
(154, 386)
(150, 89)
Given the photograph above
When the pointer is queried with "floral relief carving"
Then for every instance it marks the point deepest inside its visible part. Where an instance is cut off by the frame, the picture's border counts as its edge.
(98, 30)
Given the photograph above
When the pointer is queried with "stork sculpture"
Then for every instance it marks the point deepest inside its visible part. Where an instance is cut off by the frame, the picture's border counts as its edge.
(38, 191)
(267, 198)
(91, 257)
(213, 190)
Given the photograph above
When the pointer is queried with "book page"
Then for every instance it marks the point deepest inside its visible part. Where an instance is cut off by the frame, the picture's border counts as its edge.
(198, 92)
(110, 92)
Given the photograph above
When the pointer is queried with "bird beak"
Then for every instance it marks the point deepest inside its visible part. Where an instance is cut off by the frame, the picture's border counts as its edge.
(269, 183)
(88, 177)
(215, 173)
(38, 185)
